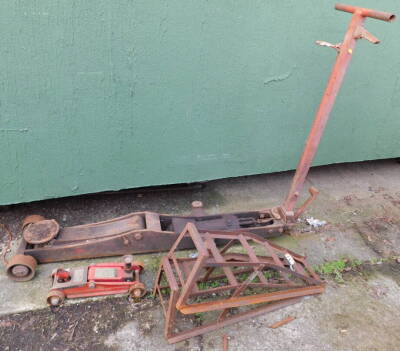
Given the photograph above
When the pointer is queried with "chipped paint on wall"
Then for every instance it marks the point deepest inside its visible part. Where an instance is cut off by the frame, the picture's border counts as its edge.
(279, 78)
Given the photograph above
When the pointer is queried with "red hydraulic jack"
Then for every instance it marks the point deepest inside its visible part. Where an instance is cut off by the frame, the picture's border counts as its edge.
(97, 280)
(141, 232)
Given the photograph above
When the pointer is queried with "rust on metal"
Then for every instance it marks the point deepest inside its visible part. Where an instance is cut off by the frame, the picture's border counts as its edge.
(21, 268)
(225, 342)
(140, 232)
(145, 232)
(55, 297)
(32, 219)
(345, 51)
(282, 322)
(313, 195)
(384, 16)
(221, 281)
(41, 232)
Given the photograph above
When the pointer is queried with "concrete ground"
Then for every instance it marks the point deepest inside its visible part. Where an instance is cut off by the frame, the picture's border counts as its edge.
(359, 201)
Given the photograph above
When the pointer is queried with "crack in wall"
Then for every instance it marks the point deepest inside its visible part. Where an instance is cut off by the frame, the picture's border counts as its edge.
(280, 77)
(21, 130)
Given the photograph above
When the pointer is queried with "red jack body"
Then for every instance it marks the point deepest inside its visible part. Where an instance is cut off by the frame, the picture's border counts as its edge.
(97, 280)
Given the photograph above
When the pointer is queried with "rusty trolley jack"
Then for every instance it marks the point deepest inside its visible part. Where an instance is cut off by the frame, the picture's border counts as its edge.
(229, 279)
(44, 240)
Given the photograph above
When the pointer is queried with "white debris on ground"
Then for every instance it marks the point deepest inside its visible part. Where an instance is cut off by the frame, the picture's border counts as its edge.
(315, 223)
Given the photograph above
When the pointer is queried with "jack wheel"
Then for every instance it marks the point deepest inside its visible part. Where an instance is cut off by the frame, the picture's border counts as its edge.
(21, 268)
(55, 298)
(137, 291)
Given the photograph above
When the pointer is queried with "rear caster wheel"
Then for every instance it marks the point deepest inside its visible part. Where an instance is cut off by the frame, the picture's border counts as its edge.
(55, 298)
(137, 291)
(21, 268)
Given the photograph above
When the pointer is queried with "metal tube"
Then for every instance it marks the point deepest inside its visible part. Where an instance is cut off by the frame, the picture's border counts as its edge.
(335, 81)
(225, 342)
(384, 16)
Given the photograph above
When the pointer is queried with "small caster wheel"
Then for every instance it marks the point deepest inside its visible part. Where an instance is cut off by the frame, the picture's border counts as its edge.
(55, 298)
(21, 268)
(137, 291)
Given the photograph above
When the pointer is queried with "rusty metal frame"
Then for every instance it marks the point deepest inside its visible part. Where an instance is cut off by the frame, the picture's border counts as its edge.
(143, 232)
(139, 232)
(283, 276)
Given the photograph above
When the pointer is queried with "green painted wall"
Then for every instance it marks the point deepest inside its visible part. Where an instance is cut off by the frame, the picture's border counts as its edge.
(104, 95)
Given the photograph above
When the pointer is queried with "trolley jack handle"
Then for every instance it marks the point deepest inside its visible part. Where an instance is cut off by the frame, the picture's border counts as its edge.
(345, 52)
(313, 195)
(384, 16)
(360, 31)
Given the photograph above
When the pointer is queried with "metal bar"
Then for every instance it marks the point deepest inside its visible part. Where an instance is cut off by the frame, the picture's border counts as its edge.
(282, 322)
(311, 271)
(299, 268)
(186, 267)
(274, 256)
(177, 269)
(308, 279)
(243, 286)
(169, 273)
(171, 315)
(225, 342)
(249, 300)
(252, 256)
(219, 259)
(191, 280)
(158, 278)
(178, 239)
(228, 235)
(157, 288)
(197, 240)
(251, 285)
(384, 16)
(335, 81)
(231, 287)
(231, 320)
(313, 195)
(211, 269)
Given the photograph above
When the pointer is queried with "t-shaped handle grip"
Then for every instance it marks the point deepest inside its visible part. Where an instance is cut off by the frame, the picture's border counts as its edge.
(384, 16)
